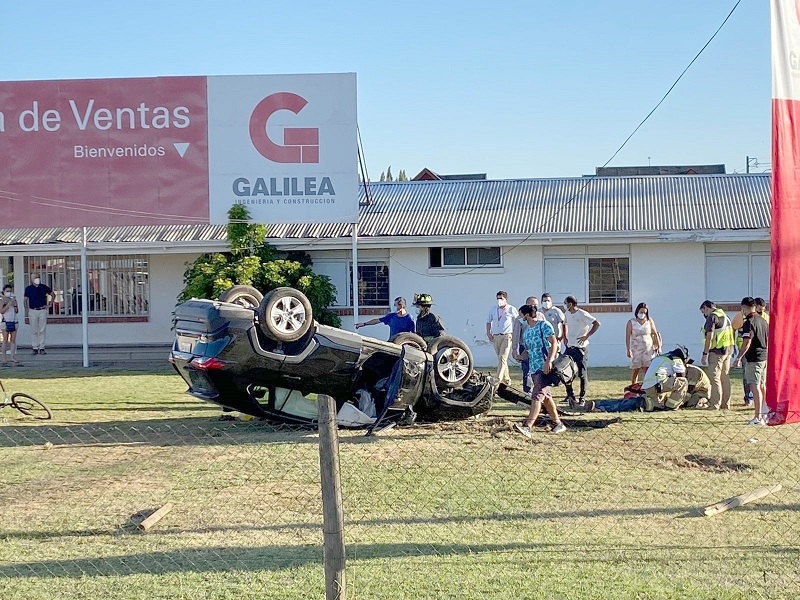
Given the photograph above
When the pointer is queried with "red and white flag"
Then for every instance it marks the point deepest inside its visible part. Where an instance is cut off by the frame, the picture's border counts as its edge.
(783, 365)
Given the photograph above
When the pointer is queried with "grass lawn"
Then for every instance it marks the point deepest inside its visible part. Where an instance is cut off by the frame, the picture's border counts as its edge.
(453, 510)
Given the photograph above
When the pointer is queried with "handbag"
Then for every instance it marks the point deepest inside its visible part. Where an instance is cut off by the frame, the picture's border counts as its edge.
(564, 370)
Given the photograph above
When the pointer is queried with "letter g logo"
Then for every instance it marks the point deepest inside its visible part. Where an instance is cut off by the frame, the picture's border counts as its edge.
(300, 144)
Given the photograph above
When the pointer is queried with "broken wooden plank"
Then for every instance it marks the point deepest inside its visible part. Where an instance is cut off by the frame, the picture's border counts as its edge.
(741, 500)
(156, 517)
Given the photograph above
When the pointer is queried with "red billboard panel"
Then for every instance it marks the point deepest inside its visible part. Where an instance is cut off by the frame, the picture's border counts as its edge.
(104, 152)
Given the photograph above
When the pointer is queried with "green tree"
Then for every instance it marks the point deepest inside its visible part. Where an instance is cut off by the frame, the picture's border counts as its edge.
(251, 261)
(389, 174)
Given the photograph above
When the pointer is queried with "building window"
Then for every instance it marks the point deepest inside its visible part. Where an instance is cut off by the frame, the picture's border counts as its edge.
(737, 269)
(464, 257)
(608, 280)
(373, 284)
(593, 274)
(119, 285)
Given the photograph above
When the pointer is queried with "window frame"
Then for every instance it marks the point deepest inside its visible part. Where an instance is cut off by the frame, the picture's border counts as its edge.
(750, 251)
(378, 301)
(433, 250)
(119, 285)
(586, 254)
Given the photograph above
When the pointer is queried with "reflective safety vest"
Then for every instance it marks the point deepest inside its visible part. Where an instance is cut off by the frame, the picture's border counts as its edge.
(721, 337)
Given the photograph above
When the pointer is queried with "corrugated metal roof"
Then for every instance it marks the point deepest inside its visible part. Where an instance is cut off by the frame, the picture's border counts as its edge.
(583, 205)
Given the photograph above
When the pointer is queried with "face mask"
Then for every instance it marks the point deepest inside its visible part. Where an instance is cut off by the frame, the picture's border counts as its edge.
(37, 281)
(547, 305)
(641, 315)
(501, 303)
(566, 308)
(8, 294)
(416, 310)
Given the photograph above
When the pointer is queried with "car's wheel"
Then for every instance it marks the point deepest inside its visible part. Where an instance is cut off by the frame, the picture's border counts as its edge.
(452, 361)
(285, 314)
(410, 339)
(243, 295)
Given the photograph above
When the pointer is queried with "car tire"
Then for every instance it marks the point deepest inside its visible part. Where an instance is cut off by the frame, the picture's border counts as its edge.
(452, 361)
(285, 315)
(410, 339)
(243, 295)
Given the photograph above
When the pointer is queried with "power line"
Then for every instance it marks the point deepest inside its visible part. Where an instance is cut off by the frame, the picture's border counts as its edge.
(590, 178)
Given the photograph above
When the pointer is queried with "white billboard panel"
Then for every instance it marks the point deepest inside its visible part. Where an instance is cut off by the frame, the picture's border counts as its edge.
(283, 146)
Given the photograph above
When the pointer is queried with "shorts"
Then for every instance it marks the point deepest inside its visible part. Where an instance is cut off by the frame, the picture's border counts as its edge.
(9, 326)
(756, 372)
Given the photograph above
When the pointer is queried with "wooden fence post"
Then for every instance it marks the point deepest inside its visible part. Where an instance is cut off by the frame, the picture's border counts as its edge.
(332, 512)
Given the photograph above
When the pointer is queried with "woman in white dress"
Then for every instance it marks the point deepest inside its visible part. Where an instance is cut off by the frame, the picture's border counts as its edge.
(642, 341)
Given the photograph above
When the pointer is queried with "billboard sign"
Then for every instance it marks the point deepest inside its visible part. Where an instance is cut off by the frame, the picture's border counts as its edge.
(178, 150)
(783, 365)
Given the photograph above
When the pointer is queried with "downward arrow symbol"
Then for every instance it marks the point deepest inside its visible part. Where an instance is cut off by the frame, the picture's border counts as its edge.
(181, 147)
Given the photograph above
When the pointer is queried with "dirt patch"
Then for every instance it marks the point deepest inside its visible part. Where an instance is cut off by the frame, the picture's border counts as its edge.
(712, 463)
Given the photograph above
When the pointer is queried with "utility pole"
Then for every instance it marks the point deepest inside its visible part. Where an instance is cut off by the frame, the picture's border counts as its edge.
(750, 159)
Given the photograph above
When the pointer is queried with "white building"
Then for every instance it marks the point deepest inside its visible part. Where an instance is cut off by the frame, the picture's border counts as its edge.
(668, 240)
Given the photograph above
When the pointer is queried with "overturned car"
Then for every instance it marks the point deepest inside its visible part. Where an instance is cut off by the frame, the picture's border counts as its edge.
(265, 356)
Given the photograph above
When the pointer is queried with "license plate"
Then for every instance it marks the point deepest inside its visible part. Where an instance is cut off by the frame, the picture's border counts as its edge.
(185, 346)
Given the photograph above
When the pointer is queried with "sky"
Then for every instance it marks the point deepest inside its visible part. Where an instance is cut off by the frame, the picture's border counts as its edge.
(522, 89)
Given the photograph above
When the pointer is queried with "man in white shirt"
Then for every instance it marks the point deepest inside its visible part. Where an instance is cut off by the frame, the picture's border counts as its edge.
(499, 330)
(554, 315)
(579, 326)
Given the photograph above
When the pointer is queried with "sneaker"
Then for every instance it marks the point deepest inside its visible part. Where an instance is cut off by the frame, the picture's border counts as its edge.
(560, 428)
(41, 351)
(523, 429)
(757, 422)
(35, 351)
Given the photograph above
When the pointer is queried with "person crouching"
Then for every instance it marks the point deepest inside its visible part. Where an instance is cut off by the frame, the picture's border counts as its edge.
(665, 383)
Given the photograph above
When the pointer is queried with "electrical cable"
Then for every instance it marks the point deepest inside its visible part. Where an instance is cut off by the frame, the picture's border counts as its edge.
(588, 180)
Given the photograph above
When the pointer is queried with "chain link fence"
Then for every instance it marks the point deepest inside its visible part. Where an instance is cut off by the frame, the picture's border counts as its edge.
(612, 508)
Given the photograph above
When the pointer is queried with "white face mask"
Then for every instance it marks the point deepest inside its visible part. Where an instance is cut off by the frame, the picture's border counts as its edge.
(641, 315)
(8, 294)
(547, 305)
(566, 308)
(37, 281)
(501, 303)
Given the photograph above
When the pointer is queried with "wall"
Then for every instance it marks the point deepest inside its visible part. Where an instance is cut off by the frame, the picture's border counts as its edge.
(166, 282)
(669, 277)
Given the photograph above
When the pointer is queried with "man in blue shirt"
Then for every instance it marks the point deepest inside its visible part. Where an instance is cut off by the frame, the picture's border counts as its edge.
(38, 298)
(398, 322)
(542, 345)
